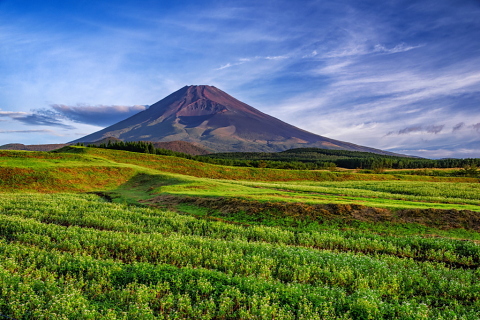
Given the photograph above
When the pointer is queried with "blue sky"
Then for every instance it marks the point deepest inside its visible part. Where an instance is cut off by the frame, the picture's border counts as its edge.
(402, 76)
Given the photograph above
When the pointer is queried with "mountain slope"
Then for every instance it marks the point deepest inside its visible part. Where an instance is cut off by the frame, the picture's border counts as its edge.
(207, 115)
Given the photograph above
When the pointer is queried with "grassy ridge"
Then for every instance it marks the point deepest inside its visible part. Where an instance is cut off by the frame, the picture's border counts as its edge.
(205, 170)
(91, 169)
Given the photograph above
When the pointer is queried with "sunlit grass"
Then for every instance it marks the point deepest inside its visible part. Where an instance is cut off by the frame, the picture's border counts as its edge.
(132, 176)
(422, 195)
(77, 256)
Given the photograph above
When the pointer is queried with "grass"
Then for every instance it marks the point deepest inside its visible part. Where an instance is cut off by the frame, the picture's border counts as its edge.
(67, 256)
(422, 195)
(174, 238)
(133, 176)
(62, 179)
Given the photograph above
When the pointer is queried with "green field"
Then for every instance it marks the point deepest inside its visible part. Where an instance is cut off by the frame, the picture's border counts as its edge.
(92, 233)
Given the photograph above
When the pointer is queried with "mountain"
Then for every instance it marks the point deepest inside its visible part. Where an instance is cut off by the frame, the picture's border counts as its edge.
(207, 115)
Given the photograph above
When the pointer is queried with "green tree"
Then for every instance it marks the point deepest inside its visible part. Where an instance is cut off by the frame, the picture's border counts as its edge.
(469, 170)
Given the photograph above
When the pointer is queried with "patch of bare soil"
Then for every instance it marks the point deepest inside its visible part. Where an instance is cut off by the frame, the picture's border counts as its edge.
(437, 218)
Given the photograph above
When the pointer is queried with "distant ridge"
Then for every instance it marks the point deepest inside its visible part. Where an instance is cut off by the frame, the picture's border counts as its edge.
(177, 146)
(32, 147)
(207, 115)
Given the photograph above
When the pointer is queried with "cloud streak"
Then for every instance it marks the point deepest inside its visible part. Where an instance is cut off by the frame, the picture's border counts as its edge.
(431, 129)
(402, 47)
(36, 119)
(476, 127)
(32, 131)
(458, 127)
(241, 61)
(99, 115)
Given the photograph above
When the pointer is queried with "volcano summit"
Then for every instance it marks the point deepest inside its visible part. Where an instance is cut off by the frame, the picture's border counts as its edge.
(207, 115)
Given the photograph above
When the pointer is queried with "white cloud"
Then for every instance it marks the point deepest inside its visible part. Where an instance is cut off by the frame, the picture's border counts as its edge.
(276, 57)
(333, 68)
(228, 65)
(241, 61)
(398, 48)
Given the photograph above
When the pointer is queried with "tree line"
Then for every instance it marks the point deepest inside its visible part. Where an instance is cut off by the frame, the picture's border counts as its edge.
(302, 158)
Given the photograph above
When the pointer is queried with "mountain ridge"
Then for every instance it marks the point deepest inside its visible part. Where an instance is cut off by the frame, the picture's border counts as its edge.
(209, 116)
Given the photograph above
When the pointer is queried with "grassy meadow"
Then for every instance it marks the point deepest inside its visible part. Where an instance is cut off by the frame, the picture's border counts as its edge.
(89, 233)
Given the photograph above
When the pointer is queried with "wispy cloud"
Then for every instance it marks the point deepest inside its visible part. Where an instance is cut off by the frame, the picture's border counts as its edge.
(458, 127)
(36, 119)
(43, 120)
(410, 130)
(228, 65)
(241, 61)
(310, 55)
(276, 57)
(32, 131)
(98, 115)
(432, 129)
(402, 47)
(476, 127)
(12, 114)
